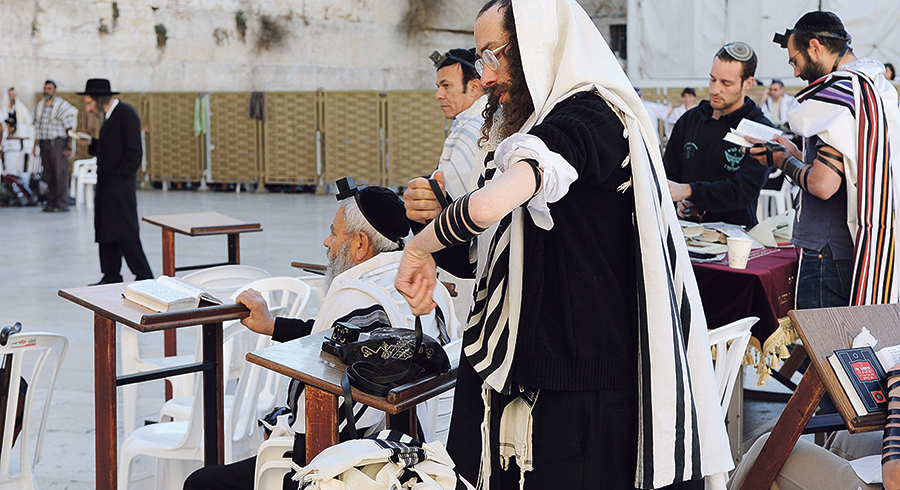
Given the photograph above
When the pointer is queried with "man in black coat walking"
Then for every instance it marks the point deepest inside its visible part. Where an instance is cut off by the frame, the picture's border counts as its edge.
(118, 151)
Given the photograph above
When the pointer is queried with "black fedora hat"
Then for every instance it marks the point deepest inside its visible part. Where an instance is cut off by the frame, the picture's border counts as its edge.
(97, 86)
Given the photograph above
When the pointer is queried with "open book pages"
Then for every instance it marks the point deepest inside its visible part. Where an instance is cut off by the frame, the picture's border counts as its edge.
(752, 129)
(690, 229)
(167, 294)
(78, 135)
(889, 356)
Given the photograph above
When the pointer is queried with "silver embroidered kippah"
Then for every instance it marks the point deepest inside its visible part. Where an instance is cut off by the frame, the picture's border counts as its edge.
(739, 51)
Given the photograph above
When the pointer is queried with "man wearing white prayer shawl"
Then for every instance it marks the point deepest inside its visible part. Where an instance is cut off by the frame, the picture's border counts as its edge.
(363, 256)
(849, 118)
(586, 340)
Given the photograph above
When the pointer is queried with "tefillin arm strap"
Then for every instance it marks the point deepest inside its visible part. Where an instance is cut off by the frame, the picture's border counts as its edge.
(890, 449)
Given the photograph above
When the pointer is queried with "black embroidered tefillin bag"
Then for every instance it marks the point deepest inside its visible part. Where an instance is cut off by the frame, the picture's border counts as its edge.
(388, 358)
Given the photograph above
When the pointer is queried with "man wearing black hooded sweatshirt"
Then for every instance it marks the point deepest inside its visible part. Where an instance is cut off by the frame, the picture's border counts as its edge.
(709, 177)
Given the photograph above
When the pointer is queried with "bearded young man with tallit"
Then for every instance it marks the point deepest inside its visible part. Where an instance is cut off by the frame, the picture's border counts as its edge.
(849, 118)
(586, 354)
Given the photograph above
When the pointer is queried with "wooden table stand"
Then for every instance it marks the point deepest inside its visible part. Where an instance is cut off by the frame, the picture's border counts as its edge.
(110, 307)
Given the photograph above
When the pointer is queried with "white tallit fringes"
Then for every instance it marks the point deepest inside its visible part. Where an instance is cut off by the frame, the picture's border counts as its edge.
(624, 186)
(484, 473)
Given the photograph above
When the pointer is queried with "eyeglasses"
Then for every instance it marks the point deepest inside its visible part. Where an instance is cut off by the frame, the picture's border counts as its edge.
(489, 58)
(793, 61)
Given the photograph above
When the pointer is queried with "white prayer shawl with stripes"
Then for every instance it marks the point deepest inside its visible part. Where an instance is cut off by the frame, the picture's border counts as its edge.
(461, 152)
(843, 108)
(681, 427)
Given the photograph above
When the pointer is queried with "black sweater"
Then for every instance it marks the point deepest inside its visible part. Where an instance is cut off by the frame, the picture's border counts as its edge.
(725, 183)
(578, 323)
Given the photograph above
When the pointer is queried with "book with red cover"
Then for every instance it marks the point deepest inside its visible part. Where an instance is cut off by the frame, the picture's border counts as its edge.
(862, 377)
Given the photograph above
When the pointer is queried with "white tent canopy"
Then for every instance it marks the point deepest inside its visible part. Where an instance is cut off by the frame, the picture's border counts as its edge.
(672, 43)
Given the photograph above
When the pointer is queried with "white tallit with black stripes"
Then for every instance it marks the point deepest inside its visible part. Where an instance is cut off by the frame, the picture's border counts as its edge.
(682, 432)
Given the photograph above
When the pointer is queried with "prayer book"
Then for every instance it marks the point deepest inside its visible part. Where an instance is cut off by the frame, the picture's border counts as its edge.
(752, 129)
(862, 377)
(78, 135)
(168, 294)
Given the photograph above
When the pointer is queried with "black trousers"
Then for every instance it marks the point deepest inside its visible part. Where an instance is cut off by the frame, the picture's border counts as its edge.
(581, 439)
(239, 475)
(56, 171)
(111, 260)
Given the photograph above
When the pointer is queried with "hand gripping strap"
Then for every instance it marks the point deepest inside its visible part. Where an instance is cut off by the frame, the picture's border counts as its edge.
(438, 193)
(454, 225)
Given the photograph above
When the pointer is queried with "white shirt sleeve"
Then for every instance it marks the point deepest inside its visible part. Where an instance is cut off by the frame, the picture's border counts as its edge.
(558, 173)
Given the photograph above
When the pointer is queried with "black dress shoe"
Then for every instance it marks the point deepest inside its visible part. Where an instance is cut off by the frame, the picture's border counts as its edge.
(103, 281)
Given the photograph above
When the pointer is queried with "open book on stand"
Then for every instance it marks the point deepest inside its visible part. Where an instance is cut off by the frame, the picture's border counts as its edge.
(860, 373)
(168, 294)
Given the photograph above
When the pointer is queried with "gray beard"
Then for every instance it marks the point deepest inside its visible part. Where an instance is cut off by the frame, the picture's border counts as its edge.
(337, 265)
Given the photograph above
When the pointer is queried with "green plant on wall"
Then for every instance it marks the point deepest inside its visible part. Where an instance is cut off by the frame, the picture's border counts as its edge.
(272, 33)
(419, 13)
(240, 22)
(115, 15)
(161, 35)
(103, 29)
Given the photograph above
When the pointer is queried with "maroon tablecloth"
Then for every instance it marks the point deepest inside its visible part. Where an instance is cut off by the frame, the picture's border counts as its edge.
(764, 289)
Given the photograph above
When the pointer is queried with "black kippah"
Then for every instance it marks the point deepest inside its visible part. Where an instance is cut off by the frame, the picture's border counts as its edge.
(820, 21)
(384, 210)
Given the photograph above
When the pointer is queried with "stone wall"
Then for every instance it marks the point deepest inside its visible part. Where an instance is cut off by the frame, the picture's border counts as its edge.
(327, 44)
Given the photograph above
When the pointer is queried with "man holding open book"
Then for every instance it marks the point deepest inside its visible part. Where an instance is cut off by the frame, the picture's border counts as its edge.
(710, 178)
(849, 117)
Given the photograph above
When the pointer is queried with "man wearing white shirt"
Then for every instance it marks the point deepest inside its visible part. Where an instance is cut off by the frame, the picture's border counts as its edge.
(688, 96)
(776, 104)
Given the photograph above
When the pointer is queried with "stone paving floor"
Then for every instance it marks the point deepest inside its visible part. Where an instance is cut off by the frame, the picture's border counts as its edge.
(41, 253)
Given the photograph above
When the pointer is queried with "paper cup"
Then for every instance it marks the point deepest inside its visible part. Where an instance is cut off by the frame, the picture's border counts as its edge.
(738, 252)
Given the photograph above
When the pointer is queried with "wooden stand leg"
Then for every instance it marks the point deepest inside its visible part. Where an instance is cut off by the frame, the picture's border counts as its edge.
(213, 401)
(105, 402)
(405, 422)
(321, 421)
(170, 346)
(234, 248)
(796, 415)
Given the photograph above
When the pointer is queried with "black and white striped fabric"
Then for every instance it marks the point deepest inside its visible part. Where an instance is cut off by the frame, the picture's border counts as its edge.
(388, 459)
(682, 432)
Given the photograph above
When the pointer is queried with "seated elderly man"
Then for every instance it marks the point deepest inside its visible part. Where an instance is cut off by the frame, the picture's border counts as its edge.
(363, 256)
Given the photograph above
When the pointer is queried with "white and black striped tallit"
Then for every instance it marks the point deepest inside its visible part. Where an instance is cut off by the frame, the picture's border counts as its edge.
(388, 459)
(682, 432)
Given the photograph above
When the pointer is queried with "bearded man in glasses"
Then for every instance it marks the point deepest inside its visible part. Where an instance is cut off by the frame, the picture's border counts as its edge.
(849, 118)
(584, 287)
(710, 178)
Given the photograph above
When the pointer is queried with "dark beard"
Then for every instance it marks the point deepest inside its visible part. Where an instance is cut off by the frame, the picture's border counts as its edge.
(811, 71)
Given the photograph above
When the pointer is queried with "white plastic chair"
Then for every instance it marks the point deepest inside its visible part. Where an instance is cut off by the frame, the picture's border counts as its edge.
(290, 296)
(727, 358)
(183, 440)
(774, 202)
(224, 280)
(84, 178)
(271, 463)
(16, 463)
(221, 281)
